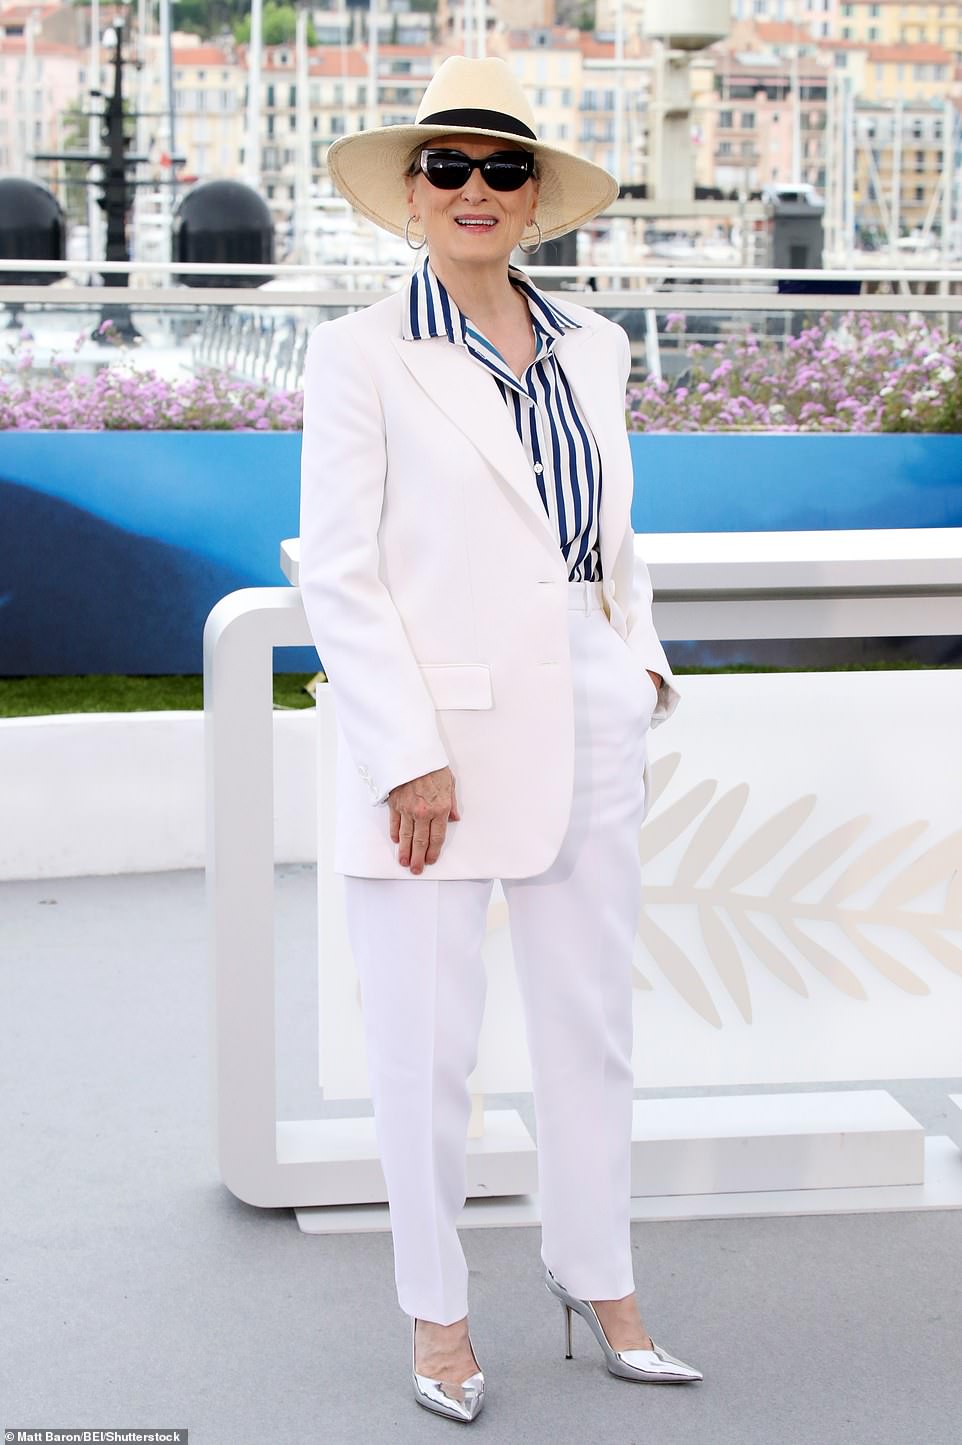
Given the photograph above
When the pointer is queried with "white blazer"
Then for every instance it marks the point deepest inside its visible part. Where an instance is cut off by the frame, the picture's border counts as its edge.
(436, 591)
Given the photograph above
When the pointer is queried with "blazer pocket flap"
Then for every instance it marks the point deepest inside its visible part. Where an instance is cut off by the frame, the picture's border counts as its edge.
(458, 684)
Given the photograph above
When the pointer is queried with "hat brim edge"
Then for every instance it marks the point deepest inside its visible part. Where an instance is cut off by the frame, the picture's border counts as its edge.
(403, 139)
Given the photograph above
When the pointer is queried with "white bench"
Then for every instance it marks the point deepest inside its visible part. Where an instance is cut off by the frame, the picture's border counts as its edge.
(863, 583)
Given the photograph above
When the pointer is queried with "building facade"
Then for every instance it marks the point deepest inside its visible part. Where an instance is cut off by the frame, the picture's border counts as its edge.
(768, 102)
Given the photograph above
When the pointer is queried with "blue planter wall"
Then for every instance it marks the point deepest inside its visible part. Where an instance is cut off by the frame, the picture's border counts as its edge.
(738, 482)
(114, 546)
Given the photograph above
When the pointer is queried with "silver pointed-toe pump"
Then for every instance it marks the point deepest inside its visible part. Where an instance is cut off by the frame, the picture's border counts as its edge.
(458, 1401)
(654, 1365)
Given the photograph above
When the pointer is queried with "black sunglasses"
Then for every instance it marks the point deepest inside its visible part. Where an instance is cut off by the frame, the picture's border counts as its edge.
(502, 171)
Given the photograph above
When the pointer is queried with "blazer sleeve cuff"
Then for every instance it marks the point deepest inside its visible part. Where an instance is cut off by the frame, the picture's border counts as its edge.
(645, 644)
(402, 769)
(668, 698)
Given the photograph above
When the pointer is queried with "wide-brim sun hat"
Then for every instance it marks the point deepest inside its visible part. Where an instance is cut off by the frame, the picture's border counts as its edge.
(467, 97)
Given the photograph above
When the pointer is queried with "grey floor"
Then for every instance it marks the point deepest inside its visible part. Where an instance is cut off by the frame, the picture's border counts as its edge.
(137, 1291)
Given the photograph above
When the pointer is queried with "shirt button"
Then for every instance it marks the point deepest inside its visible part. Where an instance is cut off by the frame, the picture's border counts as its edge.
(538, 467)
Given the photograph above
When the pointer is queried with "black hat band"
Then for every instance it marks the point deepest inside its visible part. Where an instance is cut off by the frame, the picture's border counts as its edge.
(480, 120)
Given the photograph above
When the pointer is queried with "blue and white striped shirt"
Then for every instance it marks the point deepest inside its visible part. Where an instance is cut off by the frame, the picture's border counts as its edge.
(555, 435)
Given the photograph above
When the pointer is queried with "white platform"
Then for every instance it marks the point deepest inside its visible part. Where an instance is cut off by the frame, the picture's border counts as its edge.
(834, 1139)
(953, 1125)
(502, 1161)
(745, 1153)
(942, 1190)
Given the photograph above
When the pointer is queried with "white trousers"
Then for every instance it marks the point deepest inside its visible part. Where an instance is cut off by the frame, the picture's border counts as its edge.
(417, 949)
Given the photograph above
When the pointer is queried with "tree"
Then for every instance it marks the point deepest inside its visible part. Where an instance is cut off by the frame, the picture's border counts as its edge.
(212, 18)
(209, 18)
(580, 13)
(279, 24)
(74, 138)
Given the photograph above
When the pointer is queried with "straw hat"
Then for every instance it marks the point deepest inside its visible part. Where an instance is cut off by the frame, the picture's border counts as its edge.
(466, 96)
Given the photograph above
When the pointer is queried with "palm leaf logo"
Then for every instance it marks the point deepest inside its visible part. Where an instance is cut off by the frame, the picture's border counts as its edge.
(735, 945)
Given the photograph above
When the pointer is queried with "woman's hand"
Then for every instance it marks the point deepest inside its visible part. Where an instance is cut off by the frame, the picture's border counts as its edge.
(420, 811)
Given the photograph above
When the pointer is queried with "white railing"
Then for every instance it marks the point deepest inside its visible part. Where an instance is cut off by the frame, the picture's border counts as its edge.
(754, 288)
(260, 333)
(948, 274)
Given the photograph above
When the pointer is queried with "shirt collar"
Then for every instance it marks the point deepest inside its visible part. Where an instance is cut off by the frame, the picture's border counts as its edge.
(429, 309)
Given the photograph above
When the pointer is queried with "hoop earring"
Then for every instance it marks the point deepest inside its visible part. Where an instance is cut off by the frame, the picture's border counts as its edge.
(530, 250)
(407, 236)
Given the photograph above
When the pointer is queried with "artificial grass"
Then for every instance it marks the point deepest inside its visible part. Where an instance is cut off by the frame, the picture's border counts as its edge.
(96, 692)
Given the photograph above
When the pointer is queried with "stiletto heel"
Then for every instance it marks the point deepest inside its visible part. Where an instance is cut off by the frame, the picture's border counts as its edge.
(654, 1365)
(457, 1401)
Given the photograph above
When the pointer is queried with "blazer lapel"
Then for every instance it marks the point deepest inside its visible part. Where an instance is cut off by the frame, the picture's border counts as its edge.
(466, 393)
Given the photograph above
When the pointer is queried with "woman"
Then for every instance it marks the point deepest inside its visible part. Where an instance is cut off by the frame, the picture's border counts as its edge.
(468, 573)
